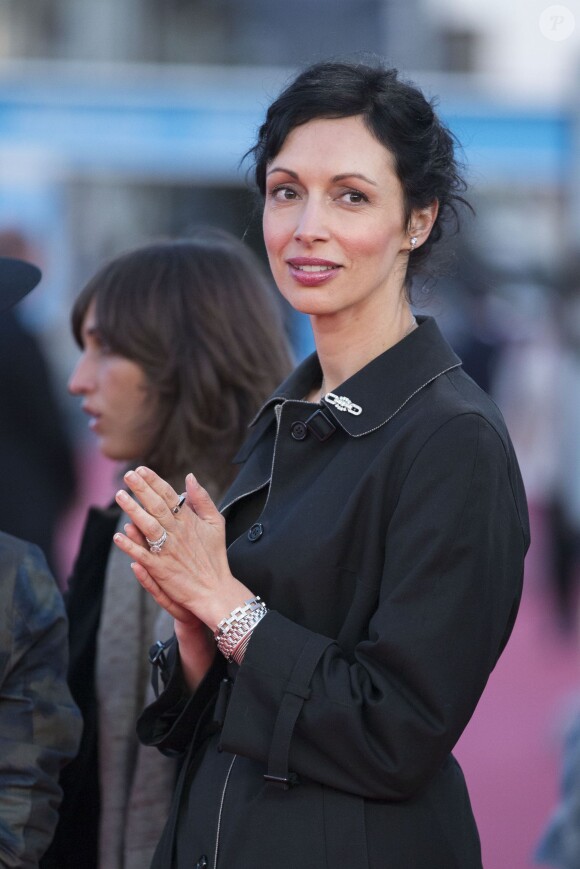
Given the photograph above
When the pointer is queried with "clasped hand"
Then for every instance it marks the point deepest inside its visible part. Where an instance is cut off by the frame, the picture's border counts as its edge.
(189, 576)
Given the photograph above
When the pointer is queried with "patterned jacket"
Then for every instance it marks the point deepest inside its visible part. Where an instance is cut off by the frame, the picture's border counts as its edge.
(40, 726)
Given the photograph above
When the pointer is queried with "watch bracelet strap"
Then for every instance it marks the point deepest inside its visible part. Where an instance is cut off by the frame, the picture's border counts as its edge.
(236, 615)
(238, 654)
(241, 621)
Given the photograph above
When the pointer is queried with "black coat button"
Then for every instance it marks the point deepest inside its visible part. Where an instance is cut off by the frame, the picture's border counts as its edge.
(201, 863)
(298, 431)
(255, 532)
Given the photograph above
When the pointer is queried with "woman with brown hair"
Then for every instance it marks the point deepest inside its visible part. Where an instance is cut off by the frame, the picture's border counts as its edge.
(181, 341)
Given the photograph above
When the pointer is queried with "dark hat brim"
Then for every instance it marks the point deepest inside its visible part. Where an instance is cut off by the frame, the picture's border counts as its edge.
(17, 278)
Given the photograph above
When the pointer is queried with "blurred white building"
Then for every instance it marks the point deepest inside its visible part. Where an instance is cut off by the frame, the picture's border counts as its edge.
(530, 49)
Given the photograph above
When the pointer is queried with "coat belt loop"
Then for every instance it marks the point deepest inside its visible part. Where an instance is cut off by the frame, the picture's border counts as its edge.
(295, 694)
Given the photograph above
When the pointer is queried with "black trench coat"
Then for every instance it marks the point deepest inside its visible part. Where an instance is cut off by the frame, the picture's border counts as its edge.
(389, 547)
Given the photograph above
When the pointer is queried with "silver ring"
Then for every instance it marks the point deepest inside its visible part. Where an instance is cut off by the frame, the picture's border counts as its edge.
(179, 504)
(157, 545)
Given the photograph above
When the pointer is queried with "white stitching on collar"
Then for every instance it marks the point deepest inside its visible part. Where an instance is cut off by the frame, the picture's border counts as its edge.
(409, 397)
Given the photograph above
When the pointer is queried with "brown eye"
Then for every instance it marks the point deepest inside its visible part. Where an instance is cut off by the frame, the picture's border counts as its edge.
(283, 194)
(354, 197)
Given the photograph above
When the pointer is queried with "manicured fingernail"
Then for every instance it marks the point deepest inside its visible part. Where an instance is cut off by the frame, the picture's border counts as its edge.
(122, 495)
(117, 536)
(130, 475)
(191, 478)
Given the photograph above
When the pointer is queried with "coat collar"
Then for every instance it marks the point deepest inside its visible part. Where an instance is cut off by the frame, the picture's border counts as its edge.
(383, 387)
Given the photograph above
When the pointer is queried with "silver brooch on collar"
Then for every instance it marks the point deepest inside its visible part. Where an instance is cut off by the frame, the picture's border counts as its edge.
(341, 402)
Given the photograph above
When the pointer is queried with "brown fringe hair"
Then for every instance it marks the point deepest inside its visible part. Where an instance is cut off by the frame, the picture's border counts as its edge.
(201, 319)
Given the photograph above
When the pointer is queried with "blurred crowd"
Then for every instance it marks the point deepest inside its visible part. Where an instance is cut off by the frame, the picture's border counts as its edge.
(519, 337)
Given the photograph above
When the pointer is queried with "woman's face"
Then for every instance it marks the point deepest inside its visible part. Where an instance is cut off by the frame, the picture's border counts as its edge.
(115, 395)
(334, 223)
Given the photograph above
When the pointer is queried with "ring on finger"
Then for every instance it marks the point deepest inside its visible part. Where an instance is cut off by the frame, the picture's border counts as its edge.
(179, 504)
(157, 545)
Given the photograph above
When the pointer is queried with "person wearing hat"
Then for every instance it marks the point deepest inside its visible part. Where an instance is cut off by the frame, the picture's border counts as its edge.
(36, 448)
(40, 726)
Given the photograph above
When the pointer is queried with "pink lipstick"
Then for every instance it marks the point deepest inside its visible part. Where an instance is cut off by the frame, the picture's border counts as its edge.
(312, 271)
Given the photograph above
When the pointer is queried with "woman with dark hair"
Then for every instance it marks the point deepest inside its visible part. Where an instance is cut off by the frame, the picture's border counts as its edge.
(174, 364)
(375, 534)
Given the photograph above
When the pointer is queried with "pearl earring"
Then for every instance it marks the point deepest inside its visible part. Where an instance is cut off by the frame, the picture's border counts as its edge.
(413, 242)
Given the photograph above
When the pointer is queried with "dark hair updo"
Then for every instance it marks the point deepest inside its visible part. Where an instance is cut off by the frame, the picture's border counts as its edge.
(398, 116)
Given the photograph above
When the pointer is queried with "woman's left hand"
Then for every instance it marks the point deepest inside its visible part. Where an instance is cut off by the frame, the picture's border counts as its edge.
(191, 568)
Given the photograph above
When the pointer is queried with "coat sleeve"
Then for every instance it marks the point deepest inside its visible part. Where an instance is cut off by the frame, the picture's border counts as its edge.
(40, 726)
(381, 725)
(177, 716)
